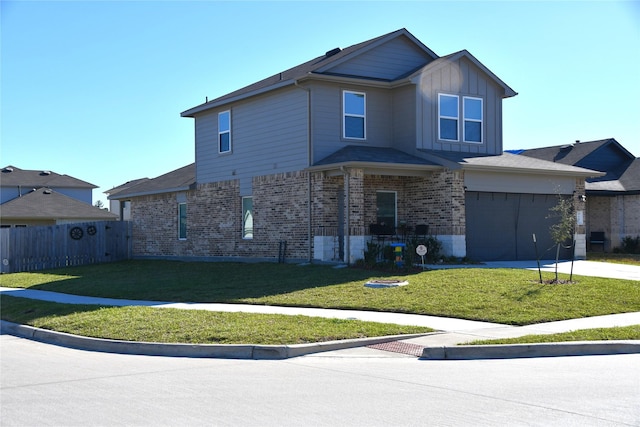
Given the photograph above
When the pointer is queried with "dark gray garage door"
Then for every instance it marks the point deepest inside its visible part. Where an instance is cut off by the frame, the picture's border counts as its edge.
(500, 226)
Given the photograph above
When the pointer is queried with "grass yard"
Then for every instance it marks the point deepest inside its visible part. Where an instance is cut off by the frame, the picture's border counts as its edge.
(506, 296)
(597, 334)
(190, 326)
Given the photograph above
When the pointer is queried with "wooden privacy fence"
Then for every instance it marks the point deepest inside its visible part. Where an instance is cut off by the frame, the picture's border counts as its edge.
(40, 248)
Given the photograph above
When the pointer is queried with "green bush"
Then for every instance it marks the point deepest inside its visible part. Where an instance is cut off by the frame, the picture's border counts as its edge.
(630, 245)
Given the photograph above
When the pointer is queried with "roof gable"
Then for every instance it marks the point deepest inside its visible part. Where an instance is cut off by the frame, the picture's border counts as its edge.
(45, 203)
(457, 56)
(389, 57)
(338, 62)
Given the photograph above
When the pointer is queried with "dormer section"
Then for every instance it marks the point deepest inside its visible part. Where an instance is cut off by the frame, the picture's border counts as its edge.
(388, 58)
(459, 106)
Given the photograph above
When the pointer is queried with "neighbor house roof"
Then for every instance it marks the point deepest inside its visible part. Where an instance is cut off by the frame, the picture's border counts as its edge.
(181, 179)
(620, 168)
(45, 203)
(12, 176)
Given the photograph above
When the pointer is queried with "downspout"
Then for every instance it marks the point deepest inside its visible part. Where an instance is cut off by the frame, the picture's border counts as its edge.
(347, 225)
(309, 161)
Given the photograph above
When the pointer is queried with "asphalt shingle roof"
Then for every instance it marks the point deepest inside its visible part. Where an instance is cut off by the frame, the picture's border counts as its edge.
(177, 180)
(354, 153)
(45, 203)
(12, 176)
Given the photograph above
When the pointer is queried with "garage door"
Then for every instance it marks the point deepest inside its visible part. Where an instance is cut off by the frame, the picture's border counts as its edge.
(500, 226)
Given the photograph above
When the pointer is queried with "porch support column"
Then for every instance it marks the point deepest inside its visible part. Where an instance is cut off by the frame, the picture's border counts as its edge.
(354, 215)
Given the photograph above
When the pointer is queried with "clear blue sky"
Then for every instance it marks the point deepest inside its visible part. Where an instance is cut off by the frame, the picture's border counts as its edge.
(95, 89)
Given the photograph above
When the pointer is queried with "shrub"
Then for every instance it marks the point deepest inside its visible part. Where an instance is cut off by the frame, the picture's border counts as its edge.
(631, 245)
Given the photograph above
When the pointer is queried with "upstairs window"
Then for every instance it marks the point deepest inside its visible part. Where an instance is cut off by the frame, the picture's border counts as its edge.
(354, 108)
(182, 221)
(472, 119)
(247, 217)
(448, 117)
(224, 132)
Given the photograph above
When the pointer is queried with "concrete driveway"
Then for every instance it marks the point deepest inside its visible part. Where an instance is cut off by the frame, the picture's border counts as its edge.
(580, 268)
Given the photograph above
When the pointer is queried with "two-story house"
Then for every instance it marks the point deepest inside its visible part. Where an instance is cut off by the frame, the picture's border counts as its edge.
(43, 197)
(379, 136)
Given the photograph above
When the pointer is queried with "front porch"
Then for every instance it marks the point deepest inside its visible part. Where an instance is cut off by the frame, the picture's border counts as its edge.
(354, 207)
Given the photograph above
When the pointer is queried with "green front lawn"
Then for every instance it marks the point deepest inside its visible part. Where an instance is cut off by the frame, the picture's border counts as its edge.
(506, 296)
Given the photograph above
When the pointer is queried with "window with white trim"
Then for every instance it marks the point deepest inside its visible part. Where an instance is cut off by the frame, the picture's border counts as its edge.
(247, 217)
(354, 106)
(224, 132)
(448, 114)
(182, 221)
(472, 113)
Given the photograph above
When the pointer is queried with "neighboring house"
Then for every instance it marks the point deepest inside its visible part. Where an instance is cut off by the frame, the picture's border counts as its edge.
(328, 155)
(613, 200)
(33, 197)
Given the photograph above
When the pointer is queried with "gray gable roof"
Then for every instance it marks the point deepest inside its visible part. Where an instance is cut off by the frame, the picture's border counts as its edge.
(45, 203)
(12, 176)
(319, 65)
(181, 179)
(620, 167)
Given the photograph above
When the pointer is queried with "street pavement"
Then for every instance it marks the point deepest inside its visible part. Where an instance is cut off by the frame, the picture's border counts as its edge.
(444, 344)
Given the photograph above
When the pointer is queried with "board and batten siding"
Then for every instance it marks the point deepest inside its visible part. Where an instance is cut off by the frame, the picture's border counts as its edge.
(389, 61)
(269, 135)
(326, 105)
(460, 78)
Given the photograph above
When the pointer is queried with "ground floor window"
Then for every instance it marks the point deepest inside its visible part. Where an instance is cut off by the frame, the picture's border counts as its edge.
(182, 221)
(386, 208)
(247, 217)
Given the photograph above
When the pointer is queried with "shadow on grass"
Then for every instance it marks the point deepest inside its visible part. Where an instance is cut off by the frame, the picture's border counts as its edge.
(157, 280)
(27, 311)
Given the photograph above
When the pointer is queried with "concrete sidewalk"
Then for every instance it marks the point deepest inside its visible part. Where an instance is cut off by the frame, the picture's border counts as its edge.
(440, 345)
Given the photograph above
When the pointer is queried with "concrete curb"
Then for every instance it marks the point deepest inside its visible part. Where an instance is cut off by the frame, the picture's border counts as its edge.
(515, 351)
(220, 351)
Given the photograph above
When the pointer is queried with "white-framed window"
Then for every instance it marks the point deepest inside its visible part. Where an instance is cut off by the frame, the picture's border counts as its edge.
(182, 221)
(247, 217)
(354, 107)
(224, 132)
(448, 117)
(473, 119)
(387, 208)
